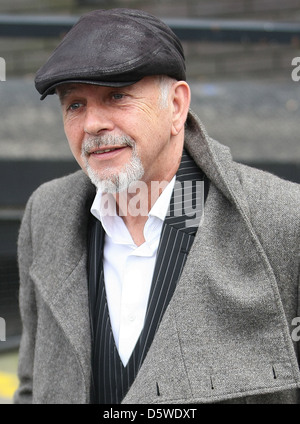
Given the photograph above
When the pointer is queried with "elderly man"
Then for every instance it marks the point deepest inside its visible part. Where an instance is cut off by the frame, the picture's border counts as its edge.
(164, 272)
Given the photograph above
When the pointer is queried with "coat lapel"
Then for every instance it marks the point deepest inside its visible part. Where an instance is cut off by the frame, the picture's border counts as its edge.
(176, 240)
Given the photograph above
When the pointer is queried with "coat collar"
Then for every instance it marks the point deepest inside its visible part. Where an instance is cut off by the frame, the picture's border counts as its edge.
(215, 160)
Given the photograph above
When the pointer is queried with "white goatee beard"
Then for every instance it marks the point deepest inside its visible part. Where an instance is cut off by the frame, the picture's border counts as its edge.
(107, 180)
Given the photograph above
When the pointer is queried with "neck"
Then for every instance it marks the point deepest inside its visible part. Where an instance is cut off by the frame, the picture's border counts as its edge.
(134, 205)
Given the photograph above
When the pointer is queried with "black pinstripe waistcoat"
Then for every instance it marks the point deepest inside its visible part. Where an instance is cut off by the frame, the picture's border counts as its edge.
(110, 379)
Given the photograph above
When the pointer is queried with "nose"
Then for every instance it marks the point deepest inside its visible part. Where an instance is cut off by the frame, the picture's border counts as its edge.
(97, 120)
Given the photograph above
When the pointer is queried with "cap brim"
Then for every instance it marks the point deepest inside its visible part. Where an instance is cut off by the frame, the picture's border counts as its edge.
(51, 89)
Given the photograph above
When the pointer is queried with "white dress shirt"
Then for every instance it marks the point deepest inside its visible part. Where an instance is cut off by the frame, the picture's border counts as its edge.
(128, 268)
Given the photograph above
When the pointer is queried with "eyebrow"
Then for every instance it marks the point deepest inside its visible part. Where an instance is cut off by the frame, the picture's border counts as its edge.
(63, 92)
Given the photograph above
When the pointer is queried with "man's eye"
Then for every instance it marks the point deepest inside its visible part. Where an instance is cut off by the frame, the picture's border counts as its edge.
(74, 106)
(118, 96)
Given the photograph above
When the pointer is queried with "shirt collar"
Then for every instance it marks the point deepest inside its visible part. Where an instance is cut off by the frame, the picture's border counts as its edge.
(161, 206)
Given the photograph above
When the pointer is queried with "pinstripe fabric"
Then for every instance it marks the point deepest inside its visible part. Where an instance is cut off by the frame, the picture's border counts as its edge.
(110, 379)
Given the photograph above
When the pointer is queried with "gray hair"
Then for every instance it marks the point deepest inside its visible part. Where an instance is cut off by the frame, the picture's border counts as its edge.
(165, 84)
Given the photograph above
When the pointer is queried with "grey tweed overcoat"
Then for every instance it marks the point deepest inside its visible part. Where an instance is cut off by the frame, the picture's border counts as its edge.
(228, 333)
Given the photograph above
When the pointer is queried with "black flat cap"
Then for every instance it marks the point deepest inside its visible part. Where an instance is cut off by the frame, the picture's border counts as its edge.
(115, 47)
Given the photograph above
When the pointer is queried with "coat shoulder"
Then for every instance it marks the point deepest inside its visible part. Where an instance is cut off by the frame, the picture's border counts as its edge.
(63, 186)
(272, 195)
(56, 205)
(61, 193)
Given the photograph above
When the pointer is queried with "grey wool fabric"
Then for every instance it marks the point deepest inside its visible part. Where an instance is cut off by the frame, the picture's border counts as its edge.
(226, 334)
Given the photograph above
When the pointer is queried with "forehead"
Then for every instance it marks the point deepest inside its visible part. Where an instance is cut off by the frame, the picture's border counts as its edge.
(68, 89)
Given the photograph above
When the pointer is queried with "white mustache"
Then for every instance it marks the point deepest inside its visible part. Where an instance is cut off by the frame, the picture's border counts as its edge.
(105, 140)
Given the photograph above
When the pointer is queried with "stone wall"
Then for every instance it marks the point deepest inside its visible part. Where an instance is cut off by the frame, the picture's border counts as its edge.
(237, 9)
(205, 60)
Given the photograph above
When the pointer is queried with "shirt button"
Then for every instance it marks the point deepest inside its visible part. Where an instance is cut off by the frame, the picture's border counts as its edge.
(131, 317)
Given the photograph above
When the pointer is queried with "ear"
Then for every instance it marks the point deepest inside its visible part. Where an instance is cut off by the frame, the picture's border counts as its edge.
(181, 97)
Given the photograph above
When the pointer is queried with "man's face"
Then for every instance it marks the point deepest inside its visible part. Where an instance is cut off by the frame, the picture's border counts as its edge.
(113, 131)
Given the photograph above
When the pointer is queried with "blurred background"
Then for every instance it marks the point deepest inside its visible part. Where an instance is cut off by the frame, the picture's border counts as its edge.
(239, 57)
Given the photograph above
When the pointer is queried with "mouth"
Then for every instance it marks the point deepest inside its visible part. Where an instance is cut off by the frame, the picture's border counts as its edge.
(107, 152)
(105, 149)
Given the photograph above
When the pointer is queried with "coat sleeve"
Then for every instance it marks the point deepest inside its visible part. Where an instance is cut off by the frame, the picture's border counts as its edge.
(28, 311)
